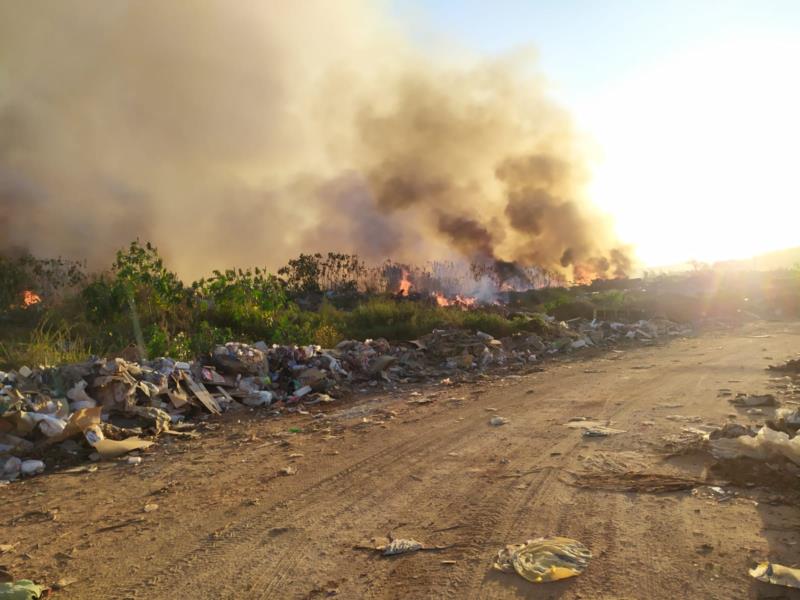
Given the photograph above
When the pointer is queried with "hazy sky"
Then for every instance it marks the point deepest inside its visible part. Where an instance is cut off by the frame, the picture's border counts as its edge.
(693, 109)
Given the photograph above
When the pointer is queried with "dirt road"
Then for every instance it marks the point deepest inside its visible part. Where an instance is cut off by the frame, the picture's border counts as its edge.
(228, 525)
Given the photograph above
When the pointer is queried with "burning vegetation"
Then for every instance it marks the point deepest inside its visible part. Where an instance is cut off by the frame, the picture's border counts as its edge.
(323, 299)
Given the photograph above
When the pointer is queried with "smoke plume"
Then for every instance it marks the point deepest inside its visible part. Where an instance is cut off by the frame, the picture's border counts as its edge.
(239, 133)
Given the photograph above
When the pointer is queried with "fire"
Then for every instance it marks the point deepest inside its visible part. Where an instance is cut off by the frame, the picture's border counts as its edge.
(30, 298)
(461, 301)
(405, 284)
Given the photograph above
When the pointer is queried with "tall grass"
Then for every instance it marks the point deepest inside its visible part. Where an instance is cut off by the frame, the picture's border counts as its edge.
(47, 344)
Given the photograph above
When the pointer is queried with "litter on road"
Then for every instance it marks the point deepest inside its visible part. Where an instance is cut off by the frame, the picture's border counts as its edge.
(776, 574)
(544, 559)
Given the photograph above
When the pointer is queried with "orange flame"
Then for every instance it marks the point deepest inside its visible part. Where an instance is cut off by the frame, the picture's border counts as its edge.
(461, 301)
(30, 298)
(405, 284)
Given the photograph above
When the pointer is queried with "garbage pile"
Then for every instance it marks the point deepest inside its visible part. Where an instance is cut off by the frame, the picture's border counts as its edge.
(108, 407)
(459, 349)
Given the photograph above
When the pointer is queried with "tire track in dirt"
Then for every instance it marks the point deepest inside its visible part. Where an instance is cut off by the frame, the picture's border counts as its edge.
(203, 550)
(419, 445)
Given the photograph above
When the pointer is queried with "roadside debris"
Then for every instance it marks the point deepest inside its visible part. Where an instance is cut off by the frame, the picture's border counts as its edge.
(401, 546)
(790, 366)
(592, 428)
(776, 574)
(600, 431)
(496, 421)
(106, 408)
(738, 442)
(754, 400)
(23, 589)
(544, 559)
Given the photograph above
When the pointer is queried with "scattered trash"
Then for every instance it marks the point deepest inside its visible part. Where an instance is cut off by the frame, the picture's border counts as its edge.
(150, 507)
(544, 559)
(753, 400)
(401, 546)
(23, 589)
(790, 366)
(64, 582)
(601, 431)
(112, 449)
(134, 460)
(764, 445)
(774, 573)
(684, 418)
(29, 468)
(104, 408)
(290, 470)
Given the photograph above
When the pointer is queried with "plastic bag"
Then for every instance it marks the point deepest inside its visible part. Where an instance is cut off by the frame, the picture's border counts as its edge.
(544, 559)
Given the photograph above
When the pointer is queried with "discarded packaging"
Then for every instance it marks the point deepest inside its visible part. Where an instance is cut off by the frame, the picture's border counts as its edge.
(23, 589)
(497, 421)
(776, 574)
(400, 546)
(112, 448)
(754, 400)
(600, 431)
(766, 444)
(544, 559)
(29, 468)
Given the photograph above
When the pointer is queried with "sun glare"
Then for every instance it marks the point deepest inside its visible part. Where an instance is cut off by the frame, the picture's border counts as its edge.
(698, 154)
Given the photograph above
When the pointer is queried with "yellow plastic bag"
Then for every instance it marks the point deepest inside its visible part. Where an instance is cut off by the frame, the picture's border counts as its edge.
(544, 559)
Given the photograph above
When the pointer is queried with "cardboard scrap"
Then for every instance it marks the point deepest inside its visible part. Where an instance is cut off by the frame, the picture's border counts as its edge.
(202, 394)
(112, 448)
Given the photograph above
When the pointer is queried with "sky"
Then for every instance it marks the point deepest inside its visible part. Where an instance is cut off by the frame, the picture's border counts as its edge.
(691, 110)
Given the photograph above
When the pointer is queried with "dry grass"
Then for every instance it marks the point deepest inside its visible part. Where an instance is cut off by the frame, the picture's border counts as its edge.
(46, 345)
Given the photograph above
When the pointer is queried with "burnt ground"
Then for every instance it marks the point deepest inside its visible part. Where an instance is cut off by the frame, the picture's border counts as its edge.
(229, 525)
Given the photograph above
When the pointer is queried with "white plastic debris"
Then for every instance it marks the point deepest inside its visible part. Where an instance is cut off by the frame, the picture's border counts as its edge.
(12, 467)
(766, 444)
(260, 398)
(496, 421)
(80, 399)
(49, 425)
(28, 468)
(306, 389)
(400, 546)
